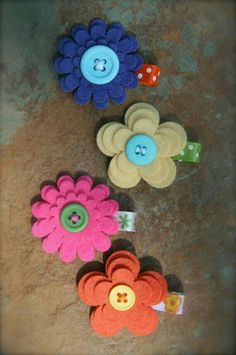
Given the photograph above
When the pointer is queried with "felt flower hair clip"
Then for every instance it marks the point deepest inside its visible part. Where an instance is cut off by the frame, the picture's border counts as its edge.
(76, 218)
(123, 296)
(145, 149)
(99, 62)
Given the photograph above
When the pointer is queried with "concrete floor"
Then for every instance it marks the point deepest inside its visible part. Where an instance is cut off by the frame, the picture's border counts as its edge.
(189, 227)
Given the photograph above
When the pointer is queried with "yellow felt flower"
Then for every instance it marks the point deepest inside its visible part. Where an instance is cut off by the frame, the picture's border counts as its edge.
(141, 148)
(172, 303)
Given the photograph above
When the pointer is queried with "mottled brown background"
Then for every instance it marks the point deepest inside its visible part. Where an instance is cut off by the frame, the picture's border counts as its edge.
(189, 227)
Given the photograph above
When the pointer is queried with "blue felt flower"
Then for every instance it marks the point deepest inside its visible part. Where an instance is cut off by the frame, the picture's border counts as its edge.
(98, 63)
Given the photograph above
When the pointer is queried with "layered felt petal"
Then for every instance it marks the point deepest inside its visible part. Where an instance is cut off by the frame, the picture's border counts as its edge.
(146, 325)
(68, 252)
(100, 324)
(120, 178)
(41, 228)
(80, 34)
(161, 178)
(52, 242)
(101, 242)
(124, 258)
(41, 209)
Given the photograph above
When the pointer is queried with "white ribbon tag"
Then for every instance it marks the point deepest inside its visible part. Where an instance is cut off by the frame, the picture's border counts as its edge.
(174, 303)
(126, 220)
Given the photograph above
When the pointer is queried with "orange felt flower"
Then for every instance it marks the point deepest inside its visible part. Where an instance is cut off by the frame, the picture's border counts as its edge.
(172, 303)
(123, 296)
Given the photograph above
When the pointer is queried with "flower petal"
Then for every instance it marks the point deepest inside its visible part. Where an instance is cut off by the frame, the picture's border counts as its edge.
(63, 65)
(116, 91)
(121, 137)
(143, 291)
(160, 291)
(100, 192)
(125, 45)
(69, 82)
(100, 96)
(100, 324)
(122, 275)
(49, 193)
(129, 79)
(139, 62)
(139, 111)
(121, 99)
(65, 183)
(84, 279)
(121, 179)
(90, 43)
(108, 207)
(80, 34)
(125, 165)
(97, 21)
(113, 46)
(89, 284)
(101, 242)
(145, 324)
(162, 178)
(82, 95)
(100, 105)
(102, 41)
(67, 252)
(125, 259)
(176, 137)
(106, 134)
(145, 125)
(109, 225)
(86, 252)
(67, 47)
(83, 184)
(97, 30)
(41, 209)
(115, 32)
(130, 62)
(102, 290)
(134, 42)
(52, 242)
(42, 228)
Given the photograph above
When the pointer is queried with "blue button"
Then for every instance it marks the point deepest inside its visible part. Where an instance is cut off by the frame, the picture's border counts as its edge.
(141, 150)
(99, 64)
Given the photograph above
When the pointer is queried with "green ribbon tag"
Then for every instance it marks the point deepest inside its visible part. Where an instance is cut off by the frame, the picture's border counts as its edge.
(190, 153)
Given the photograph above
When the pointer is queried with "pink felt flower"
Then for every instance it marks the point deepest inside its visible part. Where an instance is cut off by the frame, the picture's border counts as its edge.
(75, 218)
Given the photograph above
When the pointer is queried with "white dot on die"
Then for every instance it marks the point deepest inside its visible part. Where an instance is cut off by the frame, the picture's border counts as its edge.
(190, 147)
(140, 75)
(182, 153)
(149, 70)
(197, 155)
(154, 78)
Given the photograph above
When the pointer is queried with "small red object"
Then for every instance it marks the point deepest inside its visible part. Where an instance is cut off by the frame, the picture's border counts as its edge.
(148, 74)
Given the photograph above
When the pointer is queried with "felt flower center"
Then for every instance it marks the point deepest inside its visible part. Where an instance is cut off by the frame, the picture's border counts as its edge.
(99, 64)
(74, 217)
(122, 297)
(141, 150)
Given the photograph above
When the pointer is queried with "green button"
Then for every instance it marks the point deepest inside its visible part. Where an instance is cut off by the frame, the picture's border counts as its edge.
(74, 217)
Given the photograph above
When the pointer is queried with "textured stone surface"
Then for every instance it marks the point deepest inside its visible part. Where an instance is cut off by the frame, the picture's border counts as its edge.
(189, 227)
